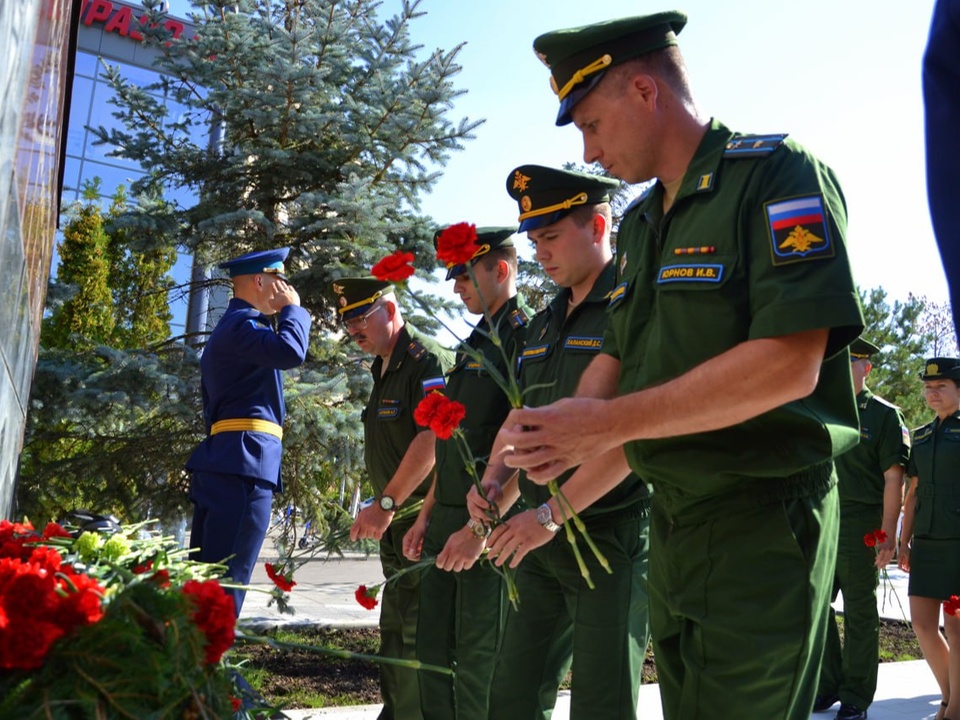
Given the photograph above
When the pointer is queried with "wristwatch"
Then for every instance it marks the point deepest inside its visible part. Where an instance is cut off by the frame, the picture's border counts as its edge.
(387, 503)
(545, 518)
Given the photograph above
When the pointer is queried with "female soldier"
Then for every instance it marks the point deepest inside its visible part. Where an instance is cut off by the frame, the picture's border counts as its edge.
(930, 536)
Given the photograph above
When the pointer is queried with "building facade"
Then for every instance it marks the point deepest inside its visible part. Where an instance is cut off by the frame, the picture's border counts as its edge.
(34, 83)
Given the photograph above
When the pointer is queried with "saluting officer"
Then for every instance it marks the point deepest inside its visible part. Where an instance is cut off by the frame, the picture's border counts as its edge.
(871, 495)
(602, 632)
(930, 533)
(723, 379)
(236, 469)
(461, 613)
(399, 457)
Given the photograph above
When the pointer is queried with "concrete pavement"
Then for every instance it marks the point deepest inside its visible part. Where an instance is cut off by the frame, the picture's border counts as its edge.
(324, 595)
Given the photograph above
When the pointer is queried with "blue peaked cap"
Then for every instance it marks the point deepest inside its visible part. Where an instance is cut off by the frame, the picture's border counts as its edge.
(268, 261)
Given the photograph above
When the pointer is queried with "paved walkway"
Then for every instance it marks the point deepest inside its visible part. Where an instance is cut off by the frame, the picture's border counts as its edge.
(324, 595)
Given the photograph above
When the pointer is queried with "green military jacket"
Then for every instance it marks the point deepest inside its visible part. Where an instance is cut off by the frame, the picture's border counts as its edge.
(558, 350)
(416, 366)
(884, 442)
(935, 462)
(752, 247)
(468, 382)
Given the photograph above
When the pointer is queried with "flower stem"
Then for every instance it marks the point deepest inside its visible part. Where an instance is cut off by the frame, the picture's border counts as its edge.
(568, 531)
(337, 652)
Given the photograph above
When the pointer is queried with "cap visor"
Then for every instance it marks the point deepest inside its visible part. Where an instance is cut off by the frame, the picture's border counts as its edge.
(575, 96)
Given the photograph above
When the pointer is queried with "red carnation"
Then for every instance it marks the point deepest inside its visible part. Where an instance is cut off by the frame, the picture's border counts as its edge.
(394, 268)
(40, 602)
(880, 535)
(870, 540)
(439, 413)
(367, 597)
(951, 606)
(281, 581)
(214, 613)
(457, 244)
(143, 567)
(161, 578)
(53, 530)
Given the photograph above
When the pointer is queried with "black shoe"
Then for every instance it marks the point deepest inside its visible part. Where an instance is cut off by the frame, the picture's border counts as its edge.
(825, 702)
(850, 712)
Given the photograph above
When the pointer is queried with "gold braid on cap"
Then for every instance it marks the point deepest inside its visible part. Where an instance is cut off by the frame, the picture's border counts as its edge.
(580, 199)
(482, 250)
(580, 75)
(366, 301)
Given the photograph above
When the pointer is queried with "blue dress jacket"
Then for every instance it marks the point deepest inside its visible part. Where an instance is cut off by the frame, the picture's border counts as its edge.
(240, 379)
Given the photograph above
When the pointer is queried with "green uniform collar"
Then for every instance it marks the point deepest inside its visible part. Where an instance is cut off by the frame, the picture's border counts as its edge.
(400, 351)
(702, 173)
(600, 292)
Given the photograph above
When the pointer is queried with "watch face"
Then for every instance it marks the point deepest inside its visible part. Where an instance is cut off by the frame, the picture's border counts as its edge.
(545, 518)
(387, 503)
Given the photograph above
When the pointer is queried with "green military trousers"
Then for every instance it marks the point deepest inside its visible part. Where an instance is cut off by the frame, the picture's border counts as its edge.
(852, 672)
(738, 606)
(603, 632)
(461, 618)
(399, 601)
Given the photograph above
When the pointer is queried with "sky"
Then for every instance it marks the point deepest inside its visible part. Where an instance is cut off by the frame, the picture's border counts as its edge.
(842, 77)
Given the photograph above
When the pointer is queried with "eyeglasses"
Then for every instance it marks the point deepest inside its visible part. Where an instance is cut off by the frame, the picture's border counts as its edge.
(360, 323)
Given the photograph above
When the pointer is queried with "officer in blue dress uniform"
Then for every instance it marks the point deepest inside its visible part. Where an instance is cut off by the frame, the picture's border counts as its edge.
(236, 469)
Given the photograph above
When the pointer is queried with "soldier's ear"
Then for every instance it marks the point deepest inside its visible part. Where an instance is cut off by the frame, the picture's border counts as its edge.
(599, 227)
(389, 309)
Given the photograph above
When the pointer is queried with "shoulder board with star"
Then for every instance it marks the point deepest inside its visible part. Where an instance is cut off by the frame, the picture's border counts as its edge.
(752, 146)
(518, 318)
(416, 350)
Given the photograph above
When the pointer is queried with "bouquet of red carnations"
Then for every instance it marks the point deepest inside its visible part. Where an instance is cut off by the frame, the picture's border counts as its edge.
(110, 626)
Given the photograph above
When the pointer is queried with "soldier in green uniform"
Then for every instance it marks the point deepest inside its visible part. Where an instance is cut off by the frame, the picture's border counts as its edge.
(930, 533)
(871, 495)
(399, 457)
(723, 380)
(603, 632)
(461, 613)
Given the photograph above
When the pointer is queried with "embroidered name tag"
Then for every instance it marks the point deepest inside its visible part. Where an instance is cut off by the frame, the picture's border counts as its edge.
(691, 273)
(618, 294)
(388, 412)
(583, 343)
(535, 352)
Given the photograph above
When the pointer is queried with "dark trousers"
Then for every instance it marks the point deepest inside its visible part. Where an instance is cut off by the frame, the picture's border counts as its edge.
(852, 672)
(231, 514)
(399, 604)
(461, 618)
(738, 608)
(602, 633)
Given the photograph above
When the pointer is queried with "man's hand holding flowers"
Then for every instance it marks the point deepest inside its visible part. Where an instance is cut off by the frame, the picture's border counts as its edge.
(371, 523)
(513, 539)
(461, 551)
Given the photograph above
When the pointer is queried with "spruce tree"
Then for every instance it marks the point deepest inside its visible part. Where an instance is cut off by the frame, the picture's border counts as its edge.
(898, 331)
(140, 282)
(329, 124)
(85, 318)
